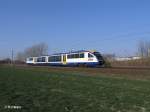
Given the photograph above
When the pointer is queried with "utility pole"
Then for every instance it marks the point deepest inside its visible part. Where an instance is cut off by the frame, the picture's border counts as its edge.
(12, 57)
(148, 52)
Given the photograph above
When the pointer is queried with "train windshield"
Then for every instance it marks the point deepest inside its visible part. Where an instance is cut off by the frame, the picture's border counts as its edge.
(98, 55)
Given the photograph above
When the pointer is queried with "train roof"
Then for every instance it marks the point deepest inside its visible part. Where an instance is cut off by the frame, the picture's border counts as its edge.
(79, 51)
(71, 52)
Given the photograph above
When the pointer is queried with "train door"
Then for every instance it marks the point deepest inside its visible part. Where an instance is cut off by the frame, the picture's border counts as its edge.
(64, 59)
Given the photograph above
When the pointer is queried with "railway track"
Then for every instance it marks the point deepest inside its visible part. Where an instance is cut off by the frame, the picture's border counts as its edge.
(135, 72)
(66, 67)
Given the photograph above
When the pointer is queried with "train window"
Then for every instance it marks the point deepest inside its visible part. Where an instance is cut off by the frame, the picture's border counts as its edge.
(76, 55)
(81, 55)
(58, 58)
(89, 55)
(39, 59)
(68, 56)
(43, 59)
(72, 56)
(50, 59)
(54, 58)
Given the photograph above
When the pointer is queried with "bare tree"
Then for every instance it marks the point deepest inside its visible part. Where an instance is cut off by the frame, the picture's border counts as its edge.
(33, 51)
(144, 49)
(141, 49)
(37, 50)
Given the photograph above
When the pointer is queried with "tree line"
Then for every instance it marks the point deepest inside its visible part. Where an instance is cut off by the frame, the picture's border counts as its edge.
(143, 50)
(33, 51)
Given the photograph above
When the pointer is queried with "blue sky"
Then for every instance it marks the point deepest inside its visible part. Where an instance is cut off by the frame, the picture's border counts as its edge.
(109, 26)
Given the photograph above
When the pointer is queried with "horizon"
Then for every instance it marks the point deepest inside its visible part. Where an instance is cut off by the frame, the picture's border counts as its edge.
(110, 27)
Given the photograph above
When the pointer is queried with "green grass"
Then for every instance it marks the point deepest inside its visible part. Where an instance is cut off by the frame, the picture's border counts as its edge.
(39, 91)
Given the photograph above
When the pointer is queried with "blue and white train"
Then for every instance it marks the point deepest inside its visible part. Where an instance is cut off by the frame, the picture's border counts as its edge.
(77, 58)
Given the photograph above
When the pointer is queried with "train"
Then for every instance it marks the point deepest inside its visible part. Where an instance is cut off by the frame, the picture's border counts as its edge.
(84, 58)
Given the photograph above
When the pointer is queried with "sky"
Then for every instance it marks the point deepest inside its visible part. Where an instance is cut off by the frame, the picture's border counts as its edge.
(109, 26)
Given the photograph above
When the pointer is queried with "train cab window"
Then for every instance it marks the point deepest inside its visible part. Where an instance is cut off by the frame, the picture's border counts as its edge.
(90, 55)
(30, 59)
(81, 55)
(98, 55)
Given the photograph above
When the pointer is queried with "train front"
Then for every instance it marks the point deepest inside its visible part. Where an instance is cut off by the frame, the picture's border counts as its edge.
(99, 58)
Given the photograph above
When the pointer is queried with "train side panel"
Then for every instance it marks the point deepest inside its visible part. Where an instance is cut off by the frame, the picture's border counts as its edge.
(67, 59)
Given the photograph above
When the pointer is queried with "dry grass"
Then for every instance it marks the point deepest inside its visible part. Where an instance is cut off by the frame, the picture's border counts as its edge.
(145, 62)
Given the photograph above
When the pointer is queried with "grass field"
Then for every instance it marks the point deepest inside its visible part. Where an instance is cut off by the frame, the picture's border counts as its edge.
(42, 90)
